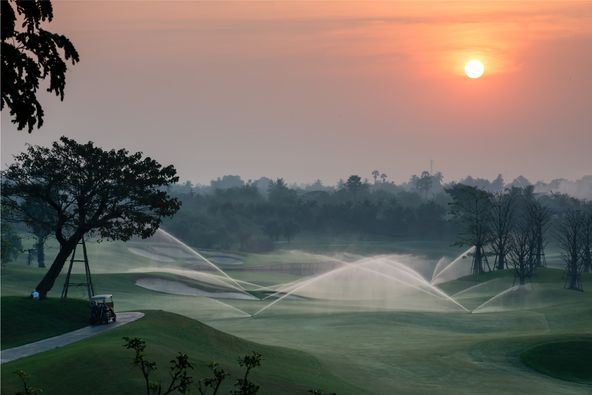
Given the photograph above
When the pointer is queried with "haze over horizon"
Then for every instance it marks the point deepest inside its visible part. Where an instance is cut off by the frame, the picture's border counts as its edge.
(309, 91)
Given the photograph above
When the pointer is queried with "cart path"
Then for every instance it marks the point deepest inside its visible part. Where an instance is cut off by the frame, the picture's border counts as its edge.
(12, 354)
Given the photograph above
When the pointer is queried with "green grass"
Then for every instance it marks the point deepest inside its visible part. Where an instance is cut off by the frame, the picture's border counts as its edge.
(102, 361)
(375, 352)
(565, 360)
(25, 320)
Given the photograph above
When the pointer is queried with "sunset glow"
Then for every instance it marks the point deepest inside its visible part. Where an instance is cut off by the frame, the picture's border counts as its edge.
(297, 75)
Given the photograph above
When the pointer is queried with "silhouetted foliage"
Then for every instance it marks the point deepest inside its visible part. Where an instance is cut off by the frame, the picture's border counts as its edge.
(29, 56)
(244, 386)
(110, 194)
(213, 382)
(27, 389)
(180, 381)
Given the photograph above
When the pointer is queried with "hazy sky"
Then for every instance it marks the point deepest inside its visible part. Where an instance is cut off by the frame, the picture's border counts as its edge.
(308, 90)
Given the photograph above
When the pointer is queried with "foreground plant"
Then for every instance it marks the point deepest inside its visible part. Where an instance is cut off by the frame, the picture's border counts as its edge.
(178, 370)
(213, 383)
(243, 385)
(180, 380)
(27, 390)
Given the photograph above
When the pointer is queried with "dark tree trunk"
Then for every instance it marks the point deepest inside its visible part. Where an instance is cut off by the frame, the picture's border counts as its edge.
(55, 269)
(40, 246)
(501, 260)
(478, 260)
(573, 281)
(587, 261)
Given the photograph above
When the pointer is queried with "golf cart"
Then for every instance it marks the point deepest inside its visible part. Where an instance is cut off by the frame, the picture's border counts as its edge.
(101, 309)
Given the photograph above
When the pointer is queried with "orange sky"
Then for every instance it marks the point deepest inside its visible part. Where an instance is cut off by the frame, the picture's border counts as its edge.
(309, 90)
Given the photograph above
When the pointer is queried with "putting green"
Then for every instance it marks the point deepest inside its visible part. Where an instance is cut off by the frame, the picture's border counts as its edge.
(566, 360)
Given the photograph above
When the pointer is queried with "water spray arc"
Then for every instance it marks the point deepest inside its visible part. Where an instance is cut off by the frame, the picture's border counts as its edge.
(436, 276)
(403, 275)
(194, 252)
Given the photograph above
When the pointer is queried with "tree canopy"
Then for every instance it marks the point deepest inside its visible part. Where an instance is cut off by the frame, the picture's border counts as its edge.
(29, 56)
(110, 194)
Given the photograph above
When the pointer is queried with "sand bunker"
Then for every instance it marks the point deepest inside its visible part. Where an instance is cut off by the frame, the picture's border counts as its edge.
(149, 255)
(225, 260)
(180, 288)
(172, 252)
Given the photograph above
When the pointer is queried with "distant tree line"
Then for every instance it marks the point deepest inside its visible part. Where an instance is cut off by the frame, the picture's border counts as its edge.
(489, 215)
(244, 217)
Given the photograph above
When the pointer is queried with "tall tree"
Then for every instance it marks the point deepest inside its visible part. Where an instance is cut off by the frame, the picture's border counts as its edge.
(471, 207)
(29, 56)
(354, 184)
(11, 244)
(502, 218)
(569, 237)
(279, 194)
(587, 239)
(375, 174)
(520, 247)
(539, 218)
(41, 221)
(109, 194)
(423, 183)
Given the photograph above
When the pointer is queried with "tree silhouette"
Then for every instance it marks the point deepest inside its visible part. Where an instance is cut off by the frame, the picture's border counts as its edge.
(11, 244)
(423, 183)
(41, 221)
(502, 213)
(110, 194)
(354, 185)
(375, 175)
(569, 237)
(471, 207)
(29, 56)
(587, 239)
(539, 218)
(521, 250)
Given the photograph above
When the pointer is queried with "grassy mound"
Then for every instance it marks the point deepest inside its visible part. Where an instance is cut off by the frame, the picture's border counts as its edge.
(566, 360)
(100, 365)
(25, 320)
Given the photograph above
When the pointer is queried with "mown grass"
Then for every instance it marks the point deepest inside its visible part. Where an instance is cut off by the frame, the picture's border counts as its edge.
(25, 320)
(378, 352)
(100, 365)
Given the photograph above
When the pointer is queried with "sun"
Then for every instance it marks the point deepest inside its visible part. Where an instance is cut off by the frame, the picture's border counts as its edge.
(474, 69)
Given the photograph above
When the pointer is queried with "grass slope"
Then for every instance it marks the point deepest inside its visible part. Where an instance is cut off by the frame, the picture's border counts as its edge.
(100, 365)
(566, 360)
(25, 320)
